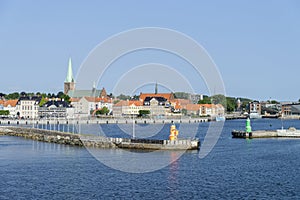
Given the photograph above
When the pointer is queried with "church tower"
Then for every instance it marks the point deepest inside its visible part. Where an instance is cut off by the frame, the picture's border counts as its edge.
(69, 82)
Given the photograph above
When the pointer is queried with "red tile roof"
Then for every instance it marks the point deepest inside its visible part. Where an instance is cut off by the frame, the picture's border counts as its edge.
(128, 103)
(6, 103)
(74, 99)
(136, 103)
(93, 99)
(177, 106)
(168, 96)
(193, 107)
(183, 101)
(121, 103)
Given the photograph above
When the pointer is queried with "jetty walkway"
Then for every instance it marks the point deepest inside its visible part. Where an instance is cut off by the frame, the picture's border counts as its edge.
(98, 141)
(285, 133)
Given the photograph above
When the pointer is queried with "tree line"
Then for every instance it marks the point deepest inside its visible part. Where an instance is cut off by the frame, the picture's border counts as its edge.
(17, 95)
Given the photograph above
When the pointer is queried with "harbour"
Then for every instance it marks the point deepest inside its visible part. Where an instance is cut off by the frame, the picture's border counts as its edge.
(26, 163)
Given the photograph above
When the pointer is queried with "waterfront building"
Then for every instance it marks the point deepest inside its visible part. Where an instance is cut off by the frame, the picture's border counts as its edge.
(168, 96)
(133, 108)
(268, 108)
(119, 108)
(158, 106)
(212, 110)
(255, 107)
(176, 106)
(27, 107)
(56, 109)
(9, 105)
(218, 110)
(193, 109)
(128, 108)
(87, 106)
(180, 104)
(290, 109)
(161, 101)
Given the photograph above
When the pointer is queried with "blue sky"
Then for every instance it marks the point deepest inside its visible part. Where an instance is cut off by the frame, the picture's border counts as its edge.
(255, 44)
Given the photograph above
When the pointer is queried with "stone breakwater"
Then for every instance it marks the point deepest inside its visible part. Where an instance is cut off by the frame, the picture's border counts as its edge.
(97, 141)
(59, 137)
(42, 135)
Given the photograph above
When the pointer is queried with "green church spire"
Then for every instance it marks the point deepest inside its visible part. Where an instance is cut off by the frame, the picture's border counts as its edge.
(70, 78)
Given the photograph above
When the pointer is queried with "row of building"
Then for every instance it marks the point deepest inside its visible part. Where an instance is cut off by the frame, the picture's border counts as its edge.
(280, 109)
(157, 105)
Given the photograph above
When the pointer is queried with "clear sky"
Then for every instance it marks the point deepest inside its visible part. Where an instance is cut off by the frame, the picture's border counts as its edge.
(255, 44)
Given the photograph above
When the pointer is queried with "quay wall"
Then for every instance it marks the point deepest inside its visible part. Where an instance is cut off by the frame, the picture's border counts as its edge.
(266, 134)
(101, 121)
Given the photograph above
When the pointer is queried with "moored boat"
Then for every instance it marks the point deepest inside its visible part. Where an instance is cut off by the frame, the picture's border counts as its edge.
(220, 118)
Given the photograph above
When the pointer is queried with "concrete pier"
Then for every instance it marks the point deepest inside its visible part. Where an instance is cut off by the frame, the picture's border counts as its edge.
(285, 133)
(98, 141)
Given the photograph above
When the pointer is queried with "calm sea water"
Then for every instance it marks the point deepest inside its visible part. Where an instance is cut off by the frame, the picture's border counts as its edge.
(235, 169)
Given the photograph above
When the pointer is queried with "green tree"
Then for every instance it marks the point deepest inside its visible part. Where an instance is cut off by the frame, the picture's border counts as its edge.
(274, 102)
(4, 112)
(63, 96)
(135, 97)
(205, 100)
(123, 97)
(103, 111)
(230, 104)
(116, 101)
(219, 99)
(2, 95)
(144, 112)
(60, 95)
(42, 102)
(181, 95)
(30, 94)
(67, 98)
(14, 95)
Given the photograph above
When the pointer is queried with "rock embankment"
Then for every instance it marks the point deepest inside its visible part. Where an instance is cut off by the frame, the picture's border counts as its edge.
(61, 137)
(42, 135)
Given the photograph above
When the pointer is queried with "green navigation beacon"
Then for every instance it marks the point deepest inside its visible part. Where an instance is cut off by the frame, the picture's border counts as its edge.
(248, 126)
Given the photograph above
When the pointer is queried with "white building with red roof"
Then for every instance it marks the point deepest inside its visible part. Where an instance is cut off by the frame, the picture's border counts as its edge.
(9, 105)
